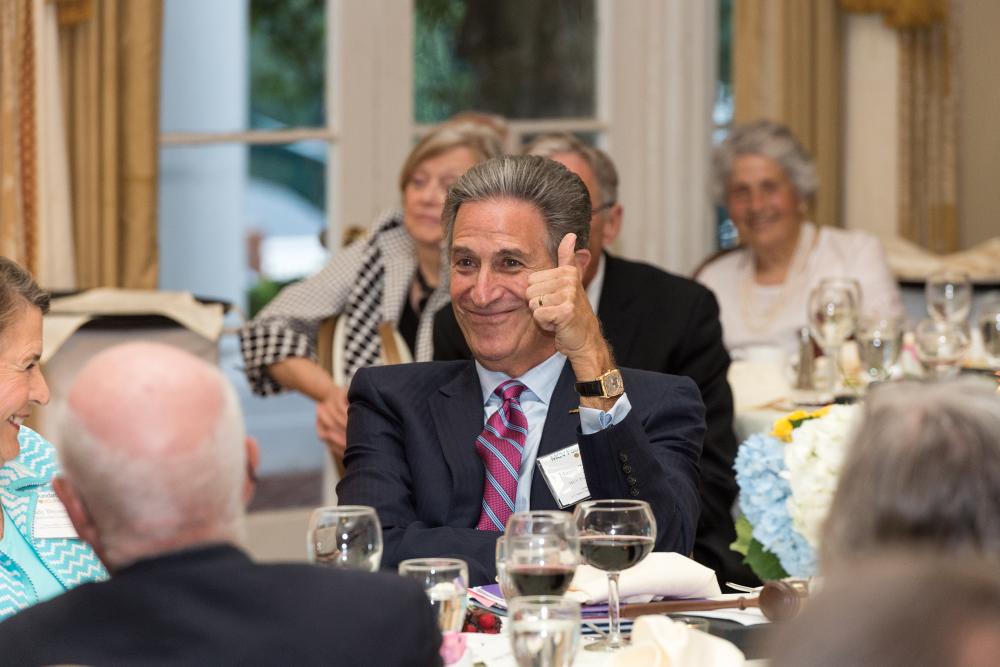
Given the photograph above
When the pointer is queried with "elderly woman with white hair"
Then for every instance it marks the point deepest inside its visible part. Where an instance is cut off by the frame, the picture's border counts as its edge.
(765, 179)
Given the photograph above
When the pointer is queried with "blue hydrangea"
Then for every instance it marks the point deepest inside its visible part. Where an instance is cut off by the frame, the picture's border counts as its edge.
(764, 494)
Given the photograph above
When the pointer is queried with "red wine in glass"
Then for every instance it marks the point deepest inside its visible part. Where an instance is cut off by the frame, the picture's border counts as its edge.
(614, 553)
(541, 579)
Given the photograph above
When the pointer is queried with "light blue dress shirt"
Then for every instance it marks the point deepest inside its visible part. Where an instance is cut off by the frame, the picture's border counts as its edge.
(541, 382)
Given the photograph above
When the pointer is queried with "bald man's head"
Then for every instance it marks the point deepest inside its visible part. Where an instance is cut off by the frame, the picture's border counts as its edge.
(154, 450)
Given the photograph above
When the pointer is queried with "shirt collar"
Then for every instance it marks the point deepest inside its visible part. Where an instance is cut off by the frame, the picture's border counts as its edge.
(595, 286)
(540, 380)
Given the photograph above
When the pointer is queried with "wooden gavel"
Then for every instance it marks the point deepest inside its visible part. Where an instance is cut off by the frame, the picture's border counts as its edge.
(778, 600)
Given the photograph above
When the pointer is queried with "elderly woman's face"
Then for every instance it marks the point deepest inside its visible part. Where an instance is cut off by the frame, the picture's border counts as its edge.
(424, 195)
(21, 381)
(762, 202)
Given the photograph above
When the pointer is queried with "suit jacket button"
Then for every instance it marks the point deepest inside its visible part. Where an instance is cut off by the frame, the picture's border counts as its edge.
(626, 468)
(634, 492)
(623, 457)
(632, 481)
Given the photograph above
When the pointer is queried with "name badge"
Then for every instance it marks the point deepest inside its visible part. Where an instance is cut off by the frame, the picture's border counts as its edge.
(563, 473)
(51, 520)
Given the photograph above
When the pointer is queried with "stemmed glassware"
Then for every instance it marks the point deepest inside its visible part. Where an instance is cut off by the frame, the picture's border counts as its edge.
(614, 536)
(544, 630)
(833, 313)
(446, 582)
(349, 536)
(941, 345)
(949, 296)
(879, 343)
(541, 552)
(989, 328)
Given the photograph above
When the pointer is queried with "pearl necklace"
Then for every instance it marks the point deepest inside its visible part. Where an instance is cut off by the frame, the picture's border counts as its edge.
(757, 319)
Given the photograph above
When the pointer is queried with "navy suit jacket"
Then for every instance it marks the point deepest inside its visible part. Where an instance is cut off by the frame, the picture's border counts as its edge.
(411, 454)
(214, 606)
(657, 321)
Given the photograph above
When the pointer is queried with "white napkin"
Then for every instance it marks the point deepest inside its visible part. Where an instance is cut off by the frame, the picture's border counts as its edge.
(756, 384)
(659, 642)
(658, 574)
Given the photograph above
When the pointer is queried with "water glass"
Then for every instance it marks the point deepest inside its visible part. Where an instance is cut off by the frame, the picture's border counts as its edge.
(852, 286)
(949, 296)
(544, 630)
(446, 582)
(832, 317)
(614, 536)
(941, 346)
(989, 328)
(879, 343)
(349, 536)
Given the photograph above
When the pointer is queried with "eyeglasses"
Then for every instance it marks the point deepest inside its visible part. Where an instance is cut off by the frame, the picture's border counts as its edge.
(603, 207)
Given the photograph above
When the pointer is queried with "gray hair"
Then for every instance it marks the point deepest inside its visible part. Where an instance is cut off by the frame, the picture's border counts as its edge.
(923, 471)
(772, 140)
(139, 503)
(558, 194)
(18, 289)
(553, 143)
(482, 139)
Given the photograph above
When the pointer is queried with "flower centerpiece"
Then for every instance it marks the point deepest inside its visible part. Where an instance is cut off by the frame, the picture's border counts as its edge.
(787, 479)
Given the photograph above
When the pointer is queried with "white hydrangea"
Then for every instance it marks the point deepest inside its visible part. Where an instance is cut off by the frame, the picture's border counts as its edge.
(814, 459)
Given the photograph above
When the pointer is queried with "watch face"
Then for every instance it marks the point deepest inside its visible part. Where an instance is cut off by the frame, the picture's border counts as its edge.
(613, 385)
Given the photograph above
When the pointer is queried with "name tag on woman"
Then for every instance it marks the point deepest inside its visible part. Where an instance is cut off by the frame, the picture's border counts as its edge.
(563, 473)
(51, 520)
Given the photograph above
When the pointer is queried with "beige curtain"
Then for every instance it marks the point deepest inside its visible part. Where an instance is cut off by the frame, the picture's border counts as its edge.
(786, 67)
(928, 117)
(18, 149)
(110, 61)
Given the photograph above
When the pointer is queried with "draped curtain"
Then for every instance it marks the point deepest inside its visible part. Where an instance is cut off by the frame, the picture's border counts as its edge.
(787, 67)
(928, 117)
(18, 149)
(110, 67)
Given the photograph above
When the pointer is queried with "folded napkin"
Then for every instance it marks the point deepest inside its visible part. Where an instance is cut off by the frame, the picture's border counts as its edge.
(757, 384)
(659, 642)
(658, 574)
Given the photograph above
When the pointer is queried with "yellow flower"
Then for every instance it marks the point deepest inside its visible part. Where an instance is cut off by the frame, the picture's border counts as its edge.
(783, 429)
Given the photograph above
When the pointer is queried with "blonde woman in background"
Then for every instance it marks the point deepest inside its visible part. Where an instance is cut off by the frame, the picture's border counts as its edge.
(391, 276)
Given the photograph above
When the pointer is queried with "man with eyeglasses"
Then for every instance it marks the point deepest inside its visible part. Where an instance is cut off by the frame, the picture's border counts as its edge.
(655, 321)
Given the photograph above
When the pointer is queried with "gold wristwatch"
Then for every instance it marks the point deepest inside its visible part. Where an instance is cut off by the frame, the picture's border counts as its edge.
(607, 385)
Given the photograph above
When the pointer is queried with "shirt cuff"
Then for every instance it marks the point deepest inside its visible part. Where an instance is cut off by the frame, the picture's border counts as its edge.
(593, 420)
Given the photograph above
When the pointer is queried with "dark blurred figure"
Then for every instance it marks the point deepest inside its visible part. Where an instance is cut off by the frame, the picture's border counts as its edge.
(900, 609)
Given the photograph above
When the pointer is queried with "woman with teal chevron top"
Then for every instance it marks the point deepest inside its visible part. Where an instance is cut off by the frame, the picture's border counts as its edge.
(40, 554)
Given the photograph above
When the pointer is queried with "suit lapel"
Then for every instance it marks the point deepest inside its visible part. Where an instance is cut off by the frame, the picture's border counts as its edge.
(457, 411)
(560, 431)
(617, 297)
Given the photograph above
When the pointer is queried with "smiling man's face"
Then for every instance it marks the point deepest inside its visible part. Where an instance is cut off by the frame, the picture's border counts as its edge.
(496, 244)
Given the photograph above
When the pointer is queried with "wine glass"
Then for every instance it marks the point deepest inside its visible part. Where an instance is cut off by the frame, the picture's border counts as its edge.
(879, 343)
(849, 284)
(506, 586)
(614, 536)
(542, 551)
(832, 316)
(989, 327)
(349, 536)
(941, 345)
(446, 582)
(949, 296)
(544, 630)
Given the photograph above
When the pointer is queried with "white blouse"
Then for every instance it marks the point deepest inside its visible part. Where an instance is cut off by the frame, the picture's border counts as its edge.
(753, 314)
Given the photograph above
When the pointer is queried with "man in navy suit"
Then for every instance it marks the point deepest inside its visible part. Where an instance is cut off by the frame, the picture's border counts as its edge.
(156, 473)
(656, 321)
(517, 230)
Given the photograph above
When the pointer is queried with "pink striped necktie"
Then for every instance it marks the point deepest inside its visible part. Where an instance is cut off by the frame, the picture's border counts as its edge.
(500, 446)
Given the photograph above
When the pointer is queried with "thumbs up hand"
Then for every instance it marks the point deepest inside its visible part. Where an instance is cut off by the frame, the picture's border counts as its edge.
(559, 304)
